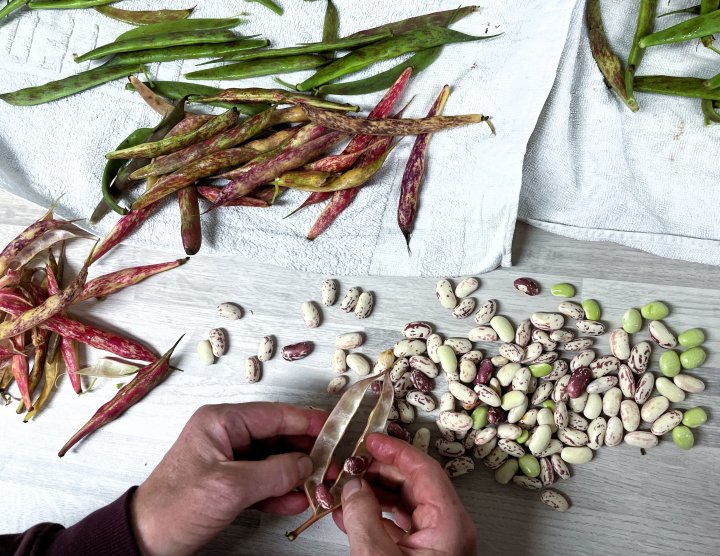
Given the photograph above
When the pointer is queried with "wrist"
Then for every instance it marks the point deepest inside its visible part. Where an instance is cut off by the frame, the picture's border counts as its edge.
(142, 526)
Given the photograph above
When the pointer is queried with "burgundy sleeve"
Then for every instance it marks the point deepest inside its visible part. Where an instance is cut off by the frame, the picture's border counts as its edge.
(106, 531)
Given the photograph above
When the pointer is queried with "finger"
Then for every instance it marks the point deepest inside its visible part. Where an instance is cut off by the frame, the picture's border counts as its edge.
(292, 503)
(362, 519)
(275, 476)
(393, 531)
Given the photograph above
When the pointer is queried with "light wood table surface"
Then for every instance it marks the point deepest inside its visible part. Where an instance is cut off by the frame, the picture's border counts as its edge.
(664, 502)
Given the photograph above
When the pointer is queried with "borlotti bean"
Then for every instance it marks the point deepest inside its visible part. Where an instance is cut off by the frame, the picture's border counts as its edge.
(455, 421)
(528, 286)
(217, 341)
(481, 451)
(460, 346)
(252, 370)
(554, 447)
(466, 287)
(486, 435)
(560, 390)
(403, 386)
(310, 314)
(421, 381)
(406, 412)
(464, 309)
(578, 382)
(328, 292)
(509, 431)
(433, 342)
(690, 384)
(559, 369)
(578, 345)
(205, 352)
(620, 344)
(653, 408)
(445, 294)
(549, 357)
(449, 449)
(596, 433)
(556, 336)
(504, 329)
(364, 305)
(385, 361)
(459, 466)
(532, 352)
(469, 440)
(229, 311)
(602, 384)
(668, 389)
(543, 338)
(590, 327)
(486, 311)
(506, 373)
(266, 348)
(639, 357)
(421, 439)
(542, 393)
(349, 340)
(498, 361)
(545, 416)
(547, 474)
(611, 402)
(394, 416)
(407, 348)
(540, 439)
(417, 330)
(582, 359)
(572, 437)
(512, 399)
(630, 415)
(641, 439)
(512, 352)
(462, 393)
(495, 458)
(644, 388)
(576, 455)
(511, 447)
(487, 395)
(484, 371)
(560, 467)
(614, 432)
(577, 421)
(593, 406)
(530, 483)
(626, 381)
(400, 367)
(547, 321)
(571, 309)
(578, 404)
(523, 333)
(554, 500)
(605, 365)
(474, 355)
(521, 380)
(666, 422)
(350, 300)
(482, 334)
(357, 362)
(468, 370)
(447, 402)
(337, 384)
(448, 358)
(661, 335)
(560, 415)
(423, 364)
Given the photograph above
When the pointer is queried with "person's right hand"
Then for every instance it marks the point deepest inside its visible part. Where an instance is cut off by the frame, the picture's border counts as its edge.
(429, 516)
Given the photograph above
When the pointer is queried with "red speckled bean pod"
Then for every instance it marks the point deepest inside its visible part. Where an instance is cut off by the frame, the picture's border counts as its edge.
(68, 347)
(190, 228)
(19, 370)
(33, 232)
(212, 194)
(124, 227)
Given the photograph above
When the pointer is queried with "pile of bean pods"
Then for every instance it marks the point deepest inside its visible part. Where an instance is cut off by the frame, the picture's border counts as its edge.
(703, 21)
(38, 335)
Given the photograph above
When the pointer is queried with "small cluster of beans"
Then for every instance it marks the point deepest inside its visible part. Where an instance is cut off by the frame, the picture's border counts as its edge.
(526, 413)
(216, 343)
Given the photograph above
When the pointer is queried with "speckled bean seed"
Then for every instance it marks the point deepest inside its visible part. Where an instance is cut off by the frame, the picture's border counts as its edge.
(328, 292)
(639, 357)
(644, 388)
(666, 422)
(578, 382)
(481, 451)
(582, 359)
(540, 439)
(459, 466)
(529, 483)
(406, 348)
(547, 321)
(653, 408)
(358, 363)
(690, 384)
(630, 415)
(614, 432)
(560, 390)
(578, 404)
(626, 381)
(217, 340)
(468, 370)
(620, 344)
(466, 286)
(252, 369)
(400, 367)
(590, 327)
(523, 333)
(528, 286)
(563, 336)
(495, 458)
(511, 447)
(661, 335)
(229, 311)
(602, 384)
(512, 352)
(572, 437)
(596, 433)
(485, 435)
(554, 447)
(455, 421)
(423, 364)
(417, 330)
(498, 361)
(266, 347)
(571, 309)
(445, 294)
(349, 340)
(549, 357)
(641, 439)
(605, 365)
(554, 500)
(464, 309)
(578, 345)
(421, 439)
(459, 345)
(560, 415)
(406, 412)
(449, 449)
(364, 305)
(547, 474)
(521, 380)
(532, 352)
(576, 455)
(350, 300)
(337, 384)
(560, 467)
(560, 368)
(486, 311)
(462, 392)
(611, 402)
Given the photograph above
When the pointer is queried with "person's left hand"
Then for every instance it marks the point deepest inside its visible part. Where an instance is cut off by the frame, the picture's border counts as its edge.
(226, 459)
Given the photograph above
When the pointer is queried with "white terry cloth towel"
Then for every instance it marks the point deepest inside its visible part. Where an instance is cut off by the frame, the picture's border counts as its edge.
(471, 190)
(596, 171)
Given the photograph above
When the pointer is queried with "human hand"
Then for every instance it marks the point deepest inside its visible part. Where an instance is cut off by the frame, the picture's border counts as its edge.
(429, 516)
(227, 458)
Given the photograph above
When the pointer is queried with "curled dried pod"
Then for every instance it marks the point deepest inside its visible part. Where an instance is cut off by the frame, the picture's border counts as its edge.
(528, 286)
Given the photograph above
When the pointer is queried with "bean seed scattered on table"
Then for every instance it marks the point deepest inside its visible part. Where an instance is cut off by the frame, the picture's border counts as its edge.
(655, 310)
(466, 287)
(691, 338)
(217, 341)
(266, 347)
(229, 311)
(328, 292)
(528, 286)
(563, 290)
(205, 352)
(445, 294)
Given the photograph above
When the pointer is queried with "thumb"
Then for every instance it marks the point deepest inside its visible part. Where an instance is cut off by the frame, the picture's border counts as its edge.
(362, 518)
(271, 477)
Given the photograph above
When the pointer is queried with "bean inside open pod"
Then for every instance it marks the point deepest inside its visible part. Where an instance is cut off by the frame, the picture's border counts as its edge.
(329, 439)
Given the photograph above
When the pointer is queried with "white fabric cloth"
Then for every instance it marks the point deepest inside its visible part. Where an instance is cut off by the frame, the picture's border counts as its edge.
(470, 194)
(596, 171)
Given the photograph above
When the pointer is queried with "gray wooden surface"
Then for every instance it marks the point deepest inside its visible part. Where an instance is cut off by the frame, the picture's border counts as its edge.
(664, 502)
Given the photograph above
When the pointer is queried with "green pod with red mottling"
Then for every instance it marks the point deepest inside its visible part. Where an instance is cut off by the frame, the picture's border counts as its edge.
(258, 68)
(40, 339)
(20, 371)
(51, 371)
(273, 96)
(122, 229)
(186, 52)
(693, 87)
(27, 237)
(212, 194)
(298, 178)
(606, 60)
(143, 382)
(143, 17)
(190, 228)
(441, 19)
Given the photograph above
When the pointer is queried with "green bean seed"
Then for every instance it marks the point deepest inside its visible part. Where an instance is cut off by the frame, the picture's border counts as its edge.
(529, 465)
(158, 41)
(68, 86)
(539, 370)
(563, 290)
(694, 417)
(257, 68)
(479, 417)
(655, 310)
(549, 404)
(592, 309)
(632, 321)
(670, 363)
(692, 358)
(197, 24)
(143, 17)
(691, 338)
(524, 435)
(185, 52)
(683, 437)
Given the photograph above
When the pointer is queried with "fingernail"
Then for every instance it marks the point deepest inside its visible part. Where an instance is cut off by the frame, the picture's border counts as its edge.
(351, 487)
(305, 466)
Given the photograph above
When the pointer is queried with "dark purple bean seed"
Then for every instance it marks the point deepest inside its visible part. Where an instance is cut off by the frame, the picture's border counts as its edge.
(398, 431)
(484, 372)
(355, 465)
(324, 497)
(578, 382)
(496, 415)
(527, 285)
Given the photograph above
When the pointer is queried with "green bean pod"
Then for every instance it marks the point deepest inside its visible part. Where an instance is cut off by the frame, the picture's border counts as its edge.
(645, 25)
(713, 82)
(693, 10)
(197, 24)
(171, 144)
(303, 178)
(257, 68)
(270, 5)
(606, 60)
(331, 26)
(693, 28)
(12, 6)
(387, 49)
(707, 6)
(692, 87)
(143, 17)
(185, 52)
(68, 86)
(112, 167)
(709, 112)
(66, 4)
(158, 41)
(441, 19)
(385, 79)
